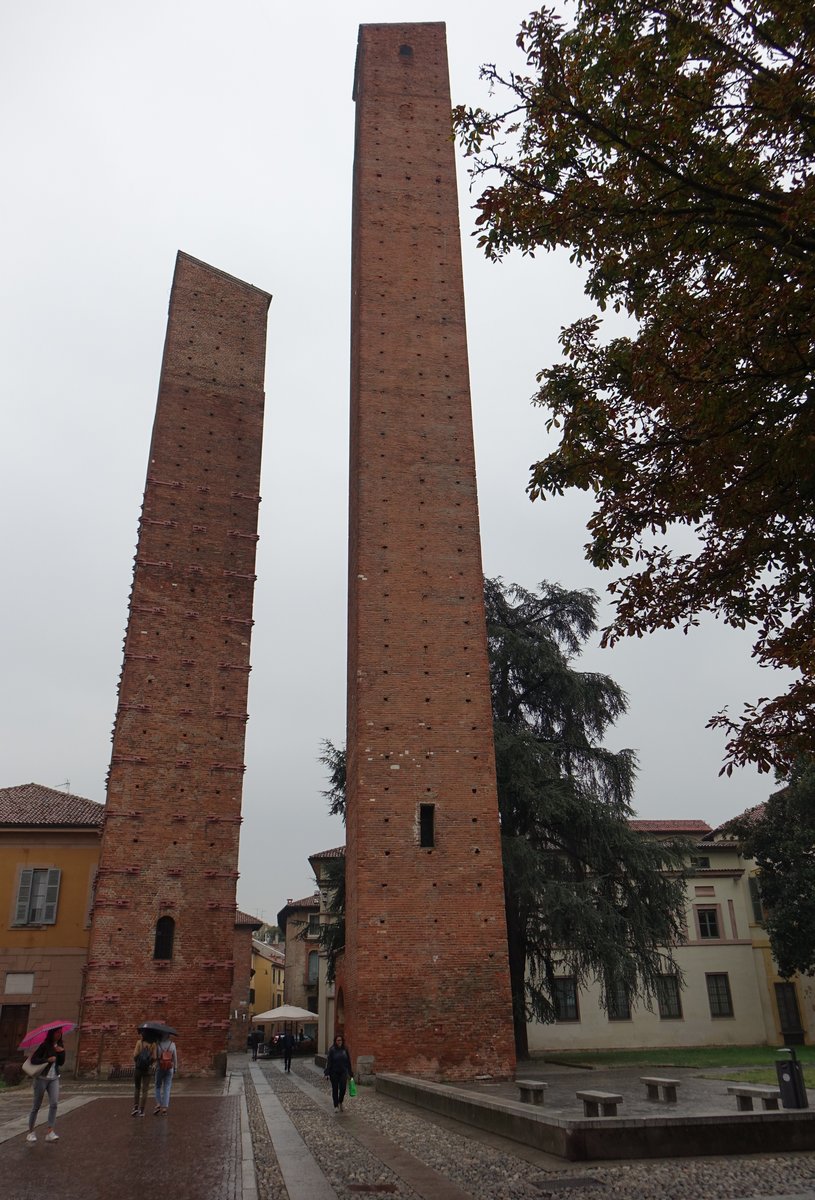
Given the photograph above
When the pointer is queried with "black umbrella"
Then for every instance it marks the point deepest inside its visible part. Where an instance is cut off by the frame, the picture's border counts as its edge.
(155, 1030)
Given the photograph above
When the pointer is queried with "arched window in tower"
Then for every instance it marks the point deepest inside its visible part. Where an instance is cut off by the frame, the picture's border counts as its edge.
(165, 935)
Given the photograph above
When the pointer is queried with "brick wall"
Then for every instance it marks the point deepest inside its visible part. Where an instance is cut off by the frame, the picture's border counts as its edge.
(170, 839)
(425, 980)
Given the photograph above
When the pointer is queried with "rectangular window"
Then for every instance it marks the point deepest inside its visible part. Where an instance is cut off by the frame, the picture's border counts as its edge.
(19, 983)
(37, 896)
(755, 899)
(427, 820)
(251, 995)
(708, 919)
(718, 995)
(701, 862)
(565, 999)
(619, 1004)
(670, 1005)
(313, 925)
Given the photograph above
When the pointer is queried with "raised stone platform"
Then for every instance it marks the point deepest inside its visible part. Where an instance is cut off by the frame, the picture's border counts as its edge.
(702, 1123)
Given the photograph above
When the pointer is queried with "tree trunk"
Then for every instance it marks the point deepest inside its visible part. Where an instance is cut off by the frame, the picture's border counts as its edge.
(516, 933)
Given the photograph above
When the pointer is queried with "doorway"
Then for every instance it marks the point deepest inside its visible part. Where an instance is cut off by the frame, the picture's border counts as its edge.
(13, 1026)
(789, 1014)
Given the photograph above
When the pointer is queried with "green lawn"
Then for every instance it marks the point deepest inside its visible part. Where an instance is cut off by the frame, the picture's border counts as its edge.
(706, 1057)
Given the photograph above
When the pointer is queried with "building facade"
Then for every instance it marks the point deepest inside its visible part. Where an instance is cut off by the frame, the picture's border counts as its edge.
(49, 852)
(727, 991)
(299, 921)
(268, 977)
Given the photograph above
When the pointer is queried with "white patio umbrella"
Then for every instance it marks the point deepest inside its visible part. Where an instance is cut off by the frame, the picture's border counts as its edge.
(287, 1012)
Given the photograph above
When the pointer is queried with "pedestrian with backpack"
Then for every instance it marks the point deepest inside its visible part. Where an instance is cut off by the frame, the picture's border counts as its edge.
(144, 1061)
(166, 1066)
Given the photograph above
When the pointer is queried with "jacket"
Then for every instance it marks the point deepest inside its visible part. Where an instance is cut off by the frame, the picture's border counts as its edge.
(338, 1061)
(43, 1053)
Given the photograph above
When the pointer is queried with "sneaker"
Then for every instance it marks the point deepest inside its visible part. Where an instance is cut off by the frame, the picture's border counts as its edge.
(136, 1112)
(140, 1113)
(341, 1108)
(52, 1137)
(31, 1137)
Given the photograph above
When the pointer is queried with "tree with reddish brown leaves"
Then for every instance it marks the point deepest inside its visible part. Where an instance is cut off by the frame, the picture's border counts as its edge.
(669, 146)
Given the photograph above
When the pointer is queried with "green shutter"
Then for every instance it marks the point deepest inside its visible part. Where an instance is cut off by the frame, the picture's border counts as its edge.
(51, 896)
(24, 897)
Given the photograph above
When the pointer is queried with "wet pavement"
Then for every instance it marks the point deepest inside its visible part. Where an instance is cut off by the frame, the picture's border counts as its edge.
(260, 1134)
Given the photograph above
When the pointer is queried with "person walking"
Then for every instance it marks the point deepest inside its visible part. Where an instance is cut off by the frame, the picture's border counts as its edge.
(144, 1061)
(338, 1069)
(166, 1066)
(288, 1046)
(51, 1051)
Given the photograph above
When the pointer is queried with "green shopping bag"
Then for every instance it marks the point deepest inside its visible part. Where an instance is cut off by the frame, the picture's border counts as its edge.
(352, 1086)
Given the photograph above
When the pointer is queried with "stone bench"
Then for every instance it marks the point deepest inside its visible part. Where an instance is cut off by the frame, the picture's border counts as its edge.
(657, 1088)
(599, 1104)
(531, 1090)
(746, 1093)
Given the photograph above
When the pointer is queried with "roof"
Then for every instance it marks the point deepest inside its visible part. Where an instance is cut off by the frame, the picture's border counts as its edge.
(312, 901)
(242, 918)
(33, 804)
(725, 830)
(337, 852)
(292, 906)
(689, 827)
(271, 952)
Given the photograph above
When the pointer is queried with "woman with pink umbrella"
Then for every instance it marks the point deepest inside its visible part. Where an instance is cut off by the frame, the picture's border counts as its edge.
(50, 1054)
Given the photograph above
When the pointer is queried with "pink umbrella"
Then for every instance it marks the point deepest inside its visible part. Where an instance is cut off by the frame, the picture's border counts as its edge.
(35, 1036)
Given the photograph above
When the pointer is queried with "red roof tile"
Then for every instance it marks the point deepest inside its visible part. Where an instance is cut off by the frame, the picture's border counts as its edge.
(242, 918)
(337, 852)
(696, 827)
(32, 804)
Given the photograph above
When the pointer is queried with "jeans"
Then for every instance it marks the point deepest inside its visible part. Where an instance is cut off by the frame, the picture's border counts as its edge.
(164, 1081)
(338, 1086)
(41, 1086)
(141, 1082)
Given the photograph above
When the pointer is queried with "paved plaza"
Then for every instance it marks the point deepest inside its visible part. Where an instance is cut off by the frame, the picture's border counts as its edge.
(261, 1134)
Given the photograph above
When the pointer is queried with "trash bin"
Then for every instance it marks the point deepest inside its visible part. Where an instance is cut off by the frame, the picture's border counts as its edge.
(791, 1081)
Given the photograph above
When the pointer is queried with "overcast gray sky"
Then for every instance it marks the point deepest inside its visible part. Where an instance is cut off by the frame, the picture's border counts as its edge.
(132, 130)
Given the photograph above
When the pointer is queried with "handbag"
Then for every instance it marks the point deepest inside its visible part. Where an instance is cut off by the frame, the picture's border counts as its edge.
(352, 1086)
(34, 1069)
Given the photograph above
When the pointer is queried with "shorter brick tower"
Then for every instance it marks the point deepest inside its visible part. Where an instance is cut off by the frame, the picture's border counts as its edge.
(164, 912)
(426, 974)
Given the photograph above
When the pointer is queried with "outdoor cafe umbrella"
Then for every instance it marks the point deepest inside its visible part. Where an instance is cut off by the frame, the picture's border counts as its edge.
(155, 1030)
(35, 1036)
(286, 1012)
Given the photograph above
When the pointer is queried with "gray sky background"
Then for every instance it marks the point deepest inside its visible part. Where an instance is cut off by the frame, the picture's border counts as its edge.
(132, 130)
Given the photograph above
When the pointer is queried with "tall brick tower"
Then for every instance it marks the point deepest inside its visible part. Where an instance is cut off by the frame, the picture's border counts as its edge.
(164, 908)
(426, 977)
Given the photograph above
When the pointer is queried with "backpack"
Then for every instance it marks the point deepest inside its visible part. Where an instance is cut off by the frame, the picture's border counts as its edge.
(165, 1060)
(143, 1060)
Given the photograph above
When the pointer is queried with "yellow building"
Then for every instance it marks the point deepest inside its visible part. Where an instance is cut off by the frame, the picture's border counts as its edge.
(268, 974)
(49, 849)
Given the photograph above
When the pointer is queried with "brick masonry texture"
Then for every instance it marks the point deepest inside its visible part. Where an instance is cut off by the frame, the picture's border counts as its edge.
(425, 981)
(170, 837)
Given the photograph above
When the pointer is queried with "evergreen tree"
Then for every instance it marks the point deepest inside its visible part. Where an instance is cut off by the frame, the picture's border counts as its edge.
(780, 836)
(585, 894)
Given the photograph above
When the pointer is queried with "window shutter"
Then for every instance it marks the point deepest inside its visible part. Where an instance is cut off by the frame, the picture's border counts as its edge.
(51, 896)
(24, 897)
